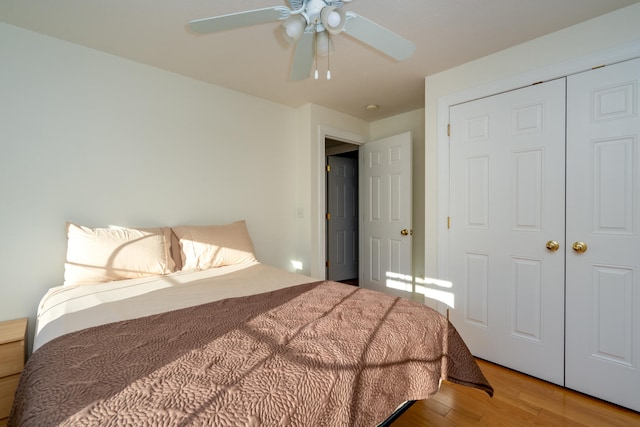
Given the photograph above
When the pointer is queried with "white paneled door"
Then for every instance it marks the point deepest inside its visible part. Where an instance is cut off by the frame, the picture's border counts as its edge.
(507, 227)
(603, 233)
(342, 224)
(386, 205)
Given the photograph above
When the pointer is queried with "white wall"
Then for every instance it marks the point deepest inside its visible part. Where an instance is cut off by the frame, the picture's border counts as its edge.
(523, 64)
(98, 140)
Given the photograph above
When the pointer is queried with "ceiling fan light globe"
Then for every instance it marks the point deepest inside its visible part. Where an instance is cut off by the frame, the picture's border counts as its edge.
(293, 28)
(324, 44)
(333, 19)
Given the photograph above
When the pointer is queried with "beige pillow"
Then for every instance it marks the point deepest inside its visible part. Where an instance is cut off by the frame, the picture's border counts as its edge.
(212, 246)
(107, 254)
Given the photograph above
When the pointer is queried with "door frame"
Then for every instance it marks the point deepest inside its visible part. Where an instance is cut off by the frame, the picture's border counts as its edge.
(573, 66)
(318, 223)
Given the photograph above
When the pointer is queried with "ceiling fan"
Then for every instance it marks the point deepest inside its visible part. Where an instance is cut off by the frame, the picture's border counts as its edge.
(309, 24)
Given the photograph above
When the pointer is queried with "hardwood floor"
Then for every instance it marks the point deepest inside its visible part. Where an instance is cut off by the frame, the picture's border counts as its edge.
(518, 400)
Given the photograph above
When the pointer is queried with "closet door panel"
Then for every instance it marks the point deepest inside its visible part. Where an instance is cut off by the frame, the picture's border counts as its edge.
(603, 213)
(507, 201)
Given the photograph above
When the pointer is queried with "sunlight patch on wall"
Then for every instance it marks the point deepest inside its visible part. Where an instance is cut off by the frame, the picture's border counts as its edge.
(402, 282)
(436, 289)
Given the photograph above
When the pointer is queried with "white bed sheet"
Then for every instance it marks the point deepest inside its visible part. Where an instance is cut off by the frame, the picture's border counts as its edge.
(65, 309)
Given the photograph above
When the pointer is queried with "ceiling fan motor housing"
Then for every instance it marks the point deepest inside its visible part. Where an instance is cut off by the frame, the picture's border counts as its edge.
(325, 15)
(313, 9)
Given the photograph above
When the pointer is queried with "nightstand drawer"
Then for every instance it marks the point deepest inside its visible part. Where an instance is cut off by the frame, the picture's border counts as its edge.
(11, 358)
(8, 387)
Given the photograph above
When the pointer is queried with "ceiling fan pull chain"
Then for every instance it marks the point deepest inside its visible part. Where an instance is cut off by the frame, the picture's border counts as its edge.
(315, 49)
(328, 64)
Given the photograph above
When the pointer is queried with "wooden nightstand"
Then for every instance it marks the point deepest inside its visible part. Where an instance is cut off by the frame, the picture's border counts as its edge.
(12, 357)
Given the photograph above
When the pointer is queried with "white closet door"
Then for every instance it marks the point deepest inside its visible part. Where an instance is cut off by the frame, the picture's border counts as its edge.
(603, 212)
(507, 201)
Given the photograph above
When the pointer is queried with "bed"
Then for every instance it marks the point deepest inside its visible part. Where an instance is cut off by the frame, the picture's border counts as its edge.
(214, 337)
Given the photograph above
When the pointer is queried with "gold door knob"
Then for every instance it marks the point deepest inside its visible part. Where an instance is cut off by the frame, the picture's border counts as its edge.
(553, 246)
(580, 247)
(404, 232)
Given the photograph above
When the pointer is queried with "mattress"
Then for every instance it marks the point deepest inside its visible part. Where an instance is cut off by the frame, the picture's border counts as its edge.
(65, 309)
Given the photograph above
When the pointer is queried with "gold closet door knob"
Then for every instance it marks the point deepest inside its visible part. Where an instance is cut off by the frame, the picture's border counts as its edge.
(580, 247)
(404, 232)
(553, 246)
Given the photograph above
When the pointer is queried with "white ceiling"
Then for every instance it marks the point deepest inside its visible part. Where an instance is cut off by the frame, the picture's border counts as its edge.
(256, 60)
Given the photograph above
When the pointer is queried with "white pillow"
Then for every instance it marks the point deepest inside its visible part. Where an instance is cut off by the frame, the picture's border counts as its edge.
(212, 246)
(107, 254)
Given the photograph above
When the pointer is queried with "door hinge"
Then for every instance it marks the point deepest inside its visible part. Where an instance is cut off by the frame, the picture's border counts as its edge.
(448, 222)
(327, 264)
(449, 129)
(328, 216)
(328, 168)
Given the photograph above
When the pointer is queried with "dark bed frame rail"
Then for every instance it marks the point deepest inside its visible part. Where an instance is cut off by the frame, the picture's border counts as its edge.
(396, 414)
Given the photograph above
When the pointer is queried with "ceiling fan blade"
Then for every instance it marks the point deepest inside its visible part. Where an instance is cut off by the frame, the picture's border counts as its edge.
(240, 19)
(303, 57)
(378, 37)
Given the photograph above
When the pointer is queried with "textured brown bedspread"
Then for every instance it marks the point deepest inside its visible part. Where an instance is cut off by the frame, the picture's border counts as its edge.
(321, 354)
